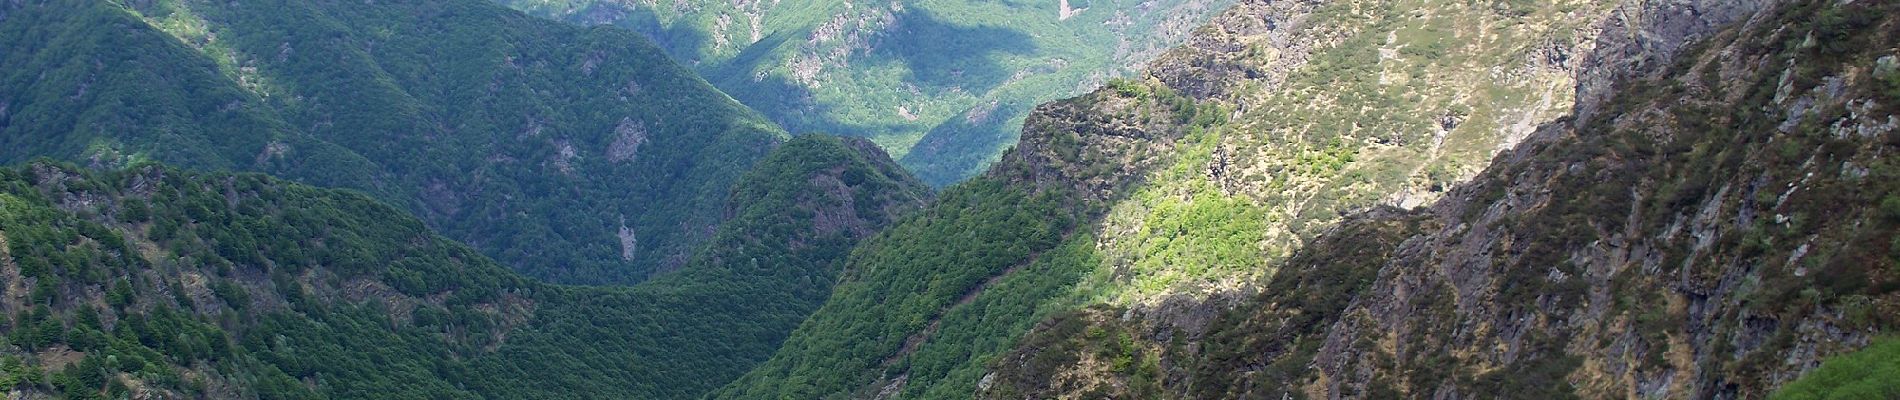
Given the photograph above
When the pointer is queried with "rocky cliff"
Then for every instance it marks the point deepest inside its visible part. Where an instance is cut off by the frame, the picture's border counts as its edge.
(1710, 221)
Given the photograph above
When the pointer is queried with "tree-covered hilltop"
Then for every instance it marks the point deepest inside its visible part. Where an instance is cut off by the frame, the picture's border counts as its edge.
(944, 85)
(572, 154)
(151, 281)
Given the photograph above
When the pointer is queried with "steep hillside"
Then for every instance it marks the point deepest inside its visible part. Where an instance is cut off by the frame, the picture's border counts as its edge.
(160, 283)
(685, 333)
(919, 302)
(1180, 184)
(152, 282)
(572, 154)
(1717, 218)
(943, 85)
(1195, 258)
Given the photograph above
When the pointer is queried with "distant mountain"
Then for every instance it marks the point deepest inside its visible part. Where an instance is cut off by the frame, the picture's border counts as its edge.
(572, 154)
(150, 282)
(1598, 199)
(944, 85)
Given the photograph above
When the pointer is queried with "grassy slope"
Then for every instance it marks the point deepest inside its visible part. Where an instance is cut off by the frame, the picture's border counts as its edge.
(1871, 373)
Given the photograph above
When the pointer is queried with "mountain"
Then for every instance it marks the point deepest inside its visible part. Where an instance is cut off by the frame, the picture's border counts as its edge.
(1405, 199)
(572, 154)
(943, 85)
(151, 282)
(920, 303)
(1368, 199)
(1710, 223)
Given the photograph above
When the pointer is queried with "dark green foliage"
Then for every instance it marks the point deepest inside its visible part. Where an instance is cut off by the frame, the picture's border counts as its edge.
(729, 308)
(268, 285)
(533, 141)
(901, 284)
(972, 334)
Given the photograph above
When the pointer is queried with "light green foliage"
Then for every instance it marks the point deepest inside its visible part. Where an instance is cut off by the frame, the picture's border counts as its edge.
(1391, 106)
(1871, 373)
(943, 84)
(1191, 231)
(1186, 240)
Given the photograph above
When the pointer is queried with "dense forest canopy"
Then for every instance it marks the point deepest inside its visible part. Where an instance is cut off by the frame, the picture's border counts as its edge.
(152, 281)
(571, 154)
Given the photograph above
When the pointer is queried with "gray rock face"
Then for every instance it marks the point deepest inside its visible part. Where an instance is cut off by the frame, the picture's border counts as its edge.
(1642, 37)
(1255, 41)
(1095, 145)
(1632, 298)
(628, 136)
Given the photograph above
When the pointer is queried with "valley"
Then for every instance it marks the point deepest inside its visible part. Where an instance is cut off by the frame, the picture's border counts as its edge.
(1167, 199)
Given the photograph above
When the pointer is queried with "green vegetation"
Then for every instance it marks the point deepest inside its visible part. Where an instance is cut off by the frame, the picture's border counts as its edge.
(945, 85)
(1232, 198)
(1148, 244)
(538, 143)
(166, 283)
(942, 294)
(1871, 373)
(228, 282)
(1388, 105)
(907, 283)
(1787, 204)
(687, 332)
(1307, 297)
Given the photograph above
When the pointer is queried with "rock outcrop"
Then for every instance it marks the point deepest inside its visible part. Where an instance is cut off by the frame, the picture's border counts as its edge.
(1710, 224)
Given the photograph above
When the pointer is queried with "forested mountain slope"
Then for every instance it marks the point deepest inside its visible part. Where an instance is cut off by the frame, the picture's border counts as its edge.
(796, 217)
(152, 282)
(942, 84)
(1210, 238)
(572, 154)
